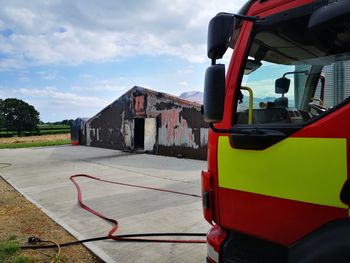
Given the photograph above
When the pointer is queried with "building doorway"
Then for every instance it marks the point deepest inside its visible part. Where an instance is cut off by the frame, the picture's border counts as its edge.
(139, 133)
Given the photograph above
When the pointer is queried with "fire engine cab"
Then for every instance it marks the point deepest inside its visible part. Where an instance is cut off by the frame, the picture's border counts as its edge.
(277, 185)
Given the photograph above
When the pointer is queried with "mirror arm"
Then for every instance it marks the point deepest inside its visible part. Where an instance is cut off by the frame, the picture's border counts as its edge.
(213, 62)
(248, 18)
(296, 72)
(244, 17)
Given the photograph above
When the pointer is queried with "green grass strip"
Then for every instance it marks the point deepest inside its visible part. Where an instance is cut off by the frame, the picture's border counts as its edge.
(9, 252)
(33, 144)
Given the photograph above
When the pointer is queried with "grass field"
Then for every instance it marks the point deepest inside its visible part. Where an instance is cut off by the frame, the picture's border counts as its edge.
(52, 126)
(33, 144)
(34, 141)
(20, 219)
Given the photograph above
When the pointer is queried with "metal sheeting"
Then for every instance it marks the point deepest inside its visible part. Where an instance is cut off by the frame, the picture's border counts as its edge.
(175, 131)
(337, 87)
(346, 79)
(150, 133)
(299, 84)
(337, 83)
(204, 136)
(128, 128)
(329, 93)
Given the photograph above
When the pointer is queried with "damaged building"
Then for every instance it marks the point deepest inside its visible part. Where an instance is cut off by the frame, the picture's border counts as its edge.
(144, 120)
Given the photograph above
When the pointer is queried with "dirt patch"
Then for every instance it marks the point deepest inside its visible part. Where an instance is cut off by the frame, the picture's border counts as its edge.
(22, 219)
(41, 138)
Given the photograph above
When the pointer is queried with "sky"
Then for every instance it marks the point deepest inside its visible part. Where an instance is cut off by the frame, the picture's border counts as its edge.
(70, 59)
(262, 81)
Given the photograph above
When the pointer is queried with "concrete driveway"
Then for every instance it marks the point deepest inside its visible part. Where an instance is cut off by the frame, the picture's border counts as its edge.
(42, 175)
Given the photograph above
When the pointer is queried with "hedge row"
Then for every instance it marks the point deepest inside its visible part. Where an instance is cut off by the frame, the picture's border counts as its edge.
(31, 133)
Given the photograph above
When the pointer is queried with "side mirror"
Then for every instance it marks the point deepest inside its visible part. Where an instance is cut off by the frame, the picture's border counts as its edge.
(282, 85)
(220, 31)
(214, 93)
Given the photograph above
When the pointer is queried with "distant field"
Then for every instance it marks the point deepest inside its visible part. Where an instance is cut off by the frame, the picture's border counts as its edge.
(44, 129)
(53, 126)
(35, 141)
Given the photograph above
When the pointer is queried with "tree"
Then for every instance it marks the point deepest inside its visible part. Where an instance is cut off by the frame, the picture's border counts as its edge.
(19, 116)
(67, 122)
(2, 119)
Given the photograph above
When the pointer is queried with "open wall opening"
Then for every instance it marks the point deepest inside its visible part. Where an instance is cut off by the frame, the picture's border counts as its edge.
(139, 133)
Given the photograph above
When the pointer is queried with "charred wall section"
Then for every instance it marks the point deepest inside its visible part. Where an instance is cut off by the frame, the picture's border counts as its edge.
(106, 128)
(78, 131)
(190, 136)
(181, 130)
(171, 126)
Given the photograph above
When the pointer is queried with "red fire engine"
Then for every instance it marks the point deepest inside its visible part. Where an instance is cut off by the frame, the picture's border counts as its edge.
(277, 186)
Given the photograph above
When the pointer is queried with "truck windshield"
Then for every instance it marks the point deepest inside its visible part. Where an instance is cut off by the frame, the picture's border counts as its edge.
(292, 76)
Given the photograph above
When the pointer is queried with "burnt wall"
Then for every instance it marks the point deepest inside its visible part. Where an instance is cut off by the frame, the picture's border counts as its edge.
(82, 135)
(180, 128)
(106, 129)
(183, 152)
(186, 138)
(78, 131)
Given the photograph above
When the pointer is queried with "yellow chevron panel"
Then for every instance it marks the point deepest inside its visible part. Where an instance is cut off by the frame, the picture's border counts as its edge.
(310, 170)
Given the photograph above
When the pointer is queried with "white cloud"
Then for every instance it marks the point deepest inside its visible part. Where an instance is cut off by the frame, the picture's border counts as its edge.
(55, 33)
(187, 70)
(184, 83)
(22, 17)
(64, 98)
(101, 86)
(107, 86)
(11, 63)
(85, 76)
(74, 32)
(47, 75)
(57, 105)
(76, 88)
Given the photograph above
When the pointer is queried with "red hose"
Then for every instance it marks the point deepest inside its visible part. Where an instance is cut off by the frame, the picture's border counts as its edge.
(115, 222)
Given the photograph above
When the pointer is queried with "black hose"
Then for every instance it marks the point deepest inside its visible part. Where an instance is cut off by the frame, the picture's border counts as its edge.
(123, 238)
